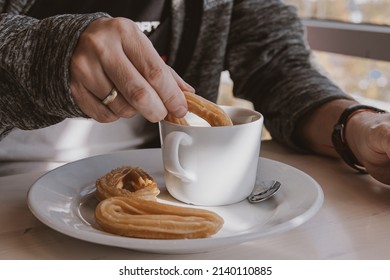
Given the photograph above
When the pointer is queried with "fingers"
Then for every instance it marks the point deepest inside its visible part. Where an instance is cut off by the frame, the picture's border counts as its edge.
(114, 53)
(134, 88)
(119, 105)
(164, 92)
(180, 82)
(90, 85)
(91, 106)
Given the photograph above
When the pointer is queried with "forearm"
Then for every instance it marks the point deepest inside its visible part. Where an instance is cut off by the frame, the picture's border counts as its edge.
(34, 69)
(279, 77)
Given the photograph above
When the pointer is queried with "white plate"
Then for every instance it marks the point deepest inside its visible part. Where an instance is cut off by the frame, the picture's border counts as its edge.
(63, 199)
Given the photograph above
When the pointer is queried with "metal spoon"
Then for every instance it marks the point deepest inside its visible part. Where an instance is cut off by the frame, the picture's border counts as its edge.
(264, 190)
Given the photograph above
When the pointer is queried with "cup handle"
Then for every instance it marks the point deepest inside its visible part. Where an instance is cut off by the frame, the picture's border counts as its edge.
(171, 159)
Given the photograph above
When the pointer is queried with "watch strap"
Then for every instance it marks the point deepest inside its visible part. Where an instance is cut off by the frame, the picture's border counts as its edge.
(338, 136)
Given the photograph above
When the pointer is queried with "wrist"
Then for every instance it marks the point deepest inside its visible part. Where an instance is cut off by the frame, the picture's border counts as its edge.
(356, 131)
(347, 131)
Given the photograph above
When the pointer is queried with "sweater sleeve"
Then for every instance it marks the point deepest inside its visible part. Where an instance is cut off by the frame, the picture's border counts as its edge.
(34, 69)
(271, 65)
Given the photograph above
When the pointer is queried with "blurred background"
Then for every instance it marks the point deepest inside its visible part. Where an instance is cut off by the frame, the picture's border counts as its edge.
(351, 43)
(364, 75)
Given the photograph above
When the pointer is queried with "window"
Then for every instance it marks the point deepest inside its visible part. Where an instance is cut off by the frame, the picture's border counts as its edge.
(354, 11)
(351, 41)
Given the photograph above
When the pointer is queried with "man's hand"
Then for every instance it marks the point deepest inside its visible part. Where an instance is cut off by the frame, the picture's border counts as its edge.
(113, 52)
(368, 136)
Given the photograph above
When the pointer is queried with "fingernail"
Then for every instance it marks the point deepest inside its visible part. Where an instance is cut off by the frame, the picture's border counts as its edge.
(180, 112)
(188, 87)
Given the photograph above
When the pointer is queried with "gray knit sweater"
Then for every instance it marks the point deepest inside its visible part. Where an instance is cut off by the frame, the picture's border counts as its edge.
(261, 43)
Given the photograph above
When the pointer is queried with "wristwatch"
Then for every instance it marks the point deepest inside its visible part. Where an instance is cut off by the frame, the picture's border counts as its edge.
(338, 136)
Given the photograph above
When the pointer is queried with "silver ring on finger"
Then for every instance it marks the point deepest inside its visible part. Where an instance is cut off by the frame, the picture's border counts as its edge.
(110, 96)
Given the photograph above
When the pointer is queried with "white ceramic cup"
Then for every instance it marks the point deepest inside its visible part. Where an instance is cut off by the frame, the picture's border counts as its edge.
(212, 166)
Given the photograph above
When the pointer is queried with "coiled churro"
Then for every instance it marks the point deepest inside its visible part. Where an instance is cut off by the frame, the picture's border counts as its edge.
(127, 181)
(203, 108)
(138, 218)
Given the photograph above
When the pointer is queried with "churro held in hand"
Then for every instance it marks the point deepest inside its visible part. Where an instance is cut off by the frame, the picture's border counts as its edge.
(127, 181)
(134, 217)
(204, 109)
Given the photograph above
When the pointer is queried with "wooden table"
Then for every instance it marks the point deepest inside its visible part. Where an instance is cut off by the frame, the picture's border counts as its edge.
(353, 223)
